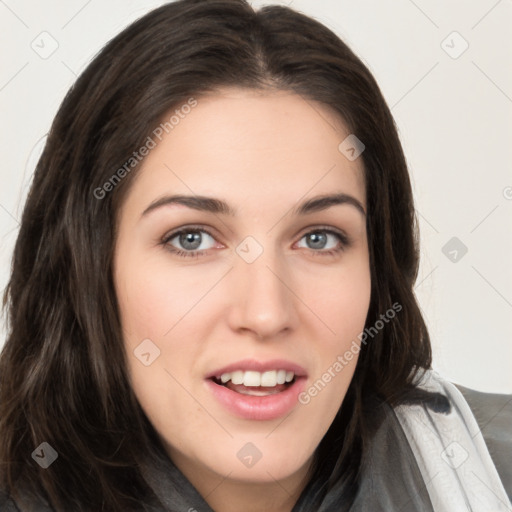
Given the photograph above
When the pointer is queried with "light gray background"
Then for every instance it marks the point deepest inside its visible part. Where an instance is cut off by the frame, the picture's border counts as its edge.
(453, 114)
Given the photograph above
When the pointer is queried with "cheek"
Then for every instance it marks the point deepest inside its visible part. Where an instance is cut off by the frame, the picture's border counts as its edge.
(154, 301)
(346, 308)
(154, 297)
(340, 300)
(162, 303)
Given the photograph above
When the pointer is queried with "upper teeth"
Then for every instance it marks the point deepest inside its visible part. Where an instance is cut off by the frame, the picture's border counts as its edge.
(250, 378)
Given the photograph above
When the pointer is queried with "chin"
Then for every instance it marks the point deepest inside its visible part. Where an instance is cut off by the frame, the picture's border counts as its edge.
(264, 464)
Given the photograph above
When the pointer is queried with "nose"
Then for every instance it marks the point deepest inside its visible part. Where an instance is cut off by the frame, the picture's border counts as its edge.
(263, 302)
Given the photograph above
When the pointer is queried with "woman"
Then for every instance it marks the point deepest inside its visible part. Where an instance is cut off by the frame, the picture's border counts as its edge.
(211, 303)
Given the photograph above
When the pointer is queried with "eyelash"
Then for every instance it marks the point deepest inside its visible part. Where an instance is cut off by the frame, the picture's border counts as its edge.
(344, 242)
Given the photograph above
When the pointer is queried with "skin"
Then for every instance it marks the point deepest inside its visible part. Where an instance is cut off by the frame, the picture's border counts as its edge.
(262, 153)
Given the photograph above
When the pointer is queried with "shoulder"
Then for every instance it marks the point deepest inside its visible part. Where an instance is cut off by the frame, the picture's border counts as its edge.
(466, 438)
(493, 413)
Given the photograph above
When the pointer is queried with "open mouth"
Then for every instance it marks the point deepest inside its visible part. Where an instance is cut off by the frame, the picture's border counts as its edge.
(264, 391)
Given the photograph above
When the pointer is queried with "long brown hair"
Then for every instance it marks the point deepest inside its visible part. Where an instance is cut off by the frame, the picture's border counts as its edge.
(63, 376)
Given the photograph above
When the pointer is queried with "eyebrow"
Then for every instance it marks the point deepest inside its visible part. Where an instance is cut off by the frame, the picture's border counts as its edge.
(323, 202)
(217, 206)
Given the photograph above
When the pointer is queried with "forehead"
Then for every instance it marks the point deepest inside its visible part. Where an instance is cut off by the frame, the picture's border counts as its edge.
(239, 142)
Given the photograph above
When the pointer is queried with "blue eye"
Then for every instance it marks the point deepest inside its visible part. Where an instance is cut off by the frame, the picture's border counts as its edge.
(190, 240)
(320, 239)
(324, 241)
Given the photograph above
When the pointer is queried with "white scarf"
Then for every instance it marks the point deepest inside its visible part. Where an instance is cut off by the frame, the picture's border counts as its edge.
(451, 453)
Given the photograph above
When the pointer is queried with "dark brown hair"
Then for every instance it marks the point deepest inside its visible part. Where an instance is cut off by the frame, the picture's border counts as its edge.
(63, 376)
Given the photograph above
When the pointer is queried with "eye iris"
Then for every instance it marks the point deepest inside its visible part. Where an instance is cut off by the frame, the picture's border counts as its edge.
(190, 240)
(318, 240)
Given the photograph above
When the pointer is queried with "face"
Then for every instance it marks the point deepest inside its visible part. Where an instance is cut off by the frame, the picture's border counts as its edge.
(224, 300)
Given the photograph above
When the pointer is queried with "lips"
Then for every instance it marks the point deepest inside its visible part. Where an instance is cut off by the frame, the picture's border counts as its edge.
(242, 388)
